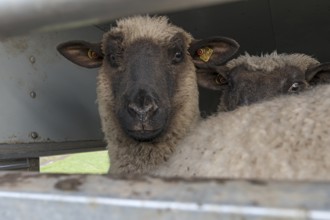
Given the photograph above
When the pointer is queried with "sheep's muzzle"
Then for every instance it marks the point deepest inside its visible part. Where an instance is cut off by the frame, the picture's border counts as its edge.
(144, 117)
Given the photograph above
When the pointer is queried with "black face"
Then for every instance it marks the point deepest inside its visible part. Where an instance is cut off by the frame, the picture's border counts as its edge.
(143, 80)
(246, 87)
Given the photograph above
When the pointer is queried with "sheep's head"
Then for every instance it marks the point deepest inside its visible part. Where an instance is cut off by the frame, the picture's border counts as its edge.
(147, 77)
(250, 79)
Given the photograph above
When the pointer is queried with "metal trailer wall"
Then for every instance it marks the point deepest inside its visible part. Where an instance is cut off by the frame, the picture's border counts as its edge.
(48, 106)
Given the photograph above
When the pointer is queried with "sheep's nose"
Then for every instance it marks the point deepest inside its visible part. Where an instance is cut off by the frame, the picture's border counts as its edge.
(142, 112)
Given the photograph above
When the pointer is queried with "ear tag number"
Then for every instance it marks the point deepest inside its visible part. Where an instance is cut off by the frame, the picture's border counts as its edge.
(204, 53)
(92, 54)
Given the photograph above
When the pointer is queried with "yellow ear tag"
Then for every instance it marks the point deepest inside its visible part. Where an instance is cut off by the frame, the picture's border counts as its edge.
(204, 53)
(92, 54)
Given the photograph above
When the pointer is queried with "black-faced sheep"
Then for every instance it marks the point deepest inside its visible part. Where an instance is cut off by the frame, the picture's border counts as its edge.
(284, 138)
(249, 79)
(147, 87)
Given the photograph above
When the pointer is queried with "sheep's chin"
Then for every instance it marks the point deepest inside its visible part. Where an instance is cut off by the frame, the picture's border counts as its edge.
(144, 136)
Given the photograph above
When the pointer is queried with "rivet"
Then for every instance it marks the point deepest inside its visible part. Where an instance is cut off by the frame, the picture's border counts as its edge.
(34, 135)
(32, 59)
(33, 94)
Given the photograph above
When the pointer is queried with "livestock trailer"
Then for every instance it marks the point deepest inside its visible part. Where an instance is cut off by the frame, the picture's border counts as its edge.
(48, 108)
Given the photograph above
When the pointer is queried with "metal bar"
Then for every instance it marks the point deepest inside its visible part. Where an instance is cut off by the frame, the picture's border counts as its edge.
(14, 164)
(97, 197)
(10, 151)
(22, 16)
(27, 164)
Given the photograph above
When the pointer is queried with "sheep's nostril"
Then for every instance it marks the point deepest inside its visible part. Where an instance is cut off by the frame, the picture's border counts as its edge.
(144, 112)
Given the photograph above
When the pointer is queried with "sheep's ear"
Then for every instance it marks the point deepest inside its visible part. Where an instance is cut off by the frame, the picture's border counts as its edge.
(213, 78)
(319, 74)
(212, 52)
(82, 53)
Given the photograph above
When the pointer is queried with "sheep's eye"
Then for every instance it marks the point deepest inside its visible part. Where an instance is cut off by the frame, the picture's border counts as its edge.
(295, 87)
(178, 57)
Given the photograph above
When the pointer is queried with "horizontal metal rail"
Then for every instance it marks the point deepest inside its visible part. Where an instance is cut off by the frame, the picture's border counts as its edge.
(39, 149)
(23, 164)
(73, 197)
(22, 16)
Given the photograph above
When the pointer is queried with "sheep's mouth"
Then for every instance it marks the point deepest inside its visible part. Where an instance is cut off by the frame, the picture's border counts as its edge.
(144, 135)
(144, 130)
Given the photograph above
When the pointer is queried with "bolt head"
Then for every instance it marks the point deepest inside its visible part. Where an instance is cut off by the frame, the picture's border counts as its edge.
(32, 59)
(34, 135)
(33, 94)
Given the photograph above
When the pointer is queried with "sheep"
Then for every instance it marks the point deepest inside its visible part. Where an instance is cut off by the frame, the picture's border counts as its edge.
(147, 87)
(148, 103)
(287, 138)
(249, 79)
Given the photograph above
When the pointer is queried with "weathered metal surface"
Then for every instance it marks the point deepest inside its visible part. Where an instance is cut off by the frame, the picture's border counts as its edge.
(45, 98)
(48, 104)
(35, 196)
(22, 16)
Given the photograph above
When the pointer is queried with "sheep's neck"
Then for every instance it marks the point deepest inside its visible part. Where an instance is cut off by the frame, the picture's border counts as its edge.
(140, 158)
(131, 157)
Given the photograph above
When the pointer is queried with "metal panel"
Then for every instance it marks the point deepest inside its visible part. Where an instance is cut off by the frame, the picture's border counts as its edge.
(302, 26)
(45, 98)
(57, 197)
(21, 16)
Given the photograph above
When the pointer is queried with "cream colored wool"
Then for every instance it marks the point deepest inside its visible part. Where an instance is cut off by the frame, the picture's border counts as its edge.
(284, 138)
